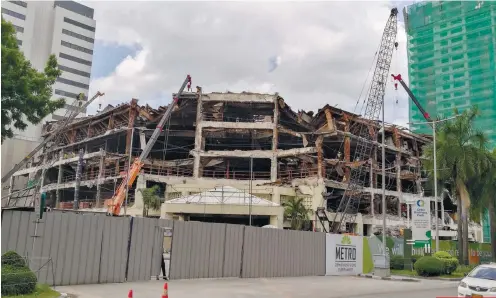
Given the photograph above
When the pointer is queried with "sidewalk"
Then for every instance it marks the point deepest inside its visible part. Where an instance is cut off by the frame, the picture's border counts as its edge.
(313, 286)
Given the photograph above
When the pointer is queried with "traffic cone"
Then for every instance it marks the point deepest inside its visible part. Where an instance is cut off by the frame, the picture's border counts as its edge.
(165, 294)
(130, 294)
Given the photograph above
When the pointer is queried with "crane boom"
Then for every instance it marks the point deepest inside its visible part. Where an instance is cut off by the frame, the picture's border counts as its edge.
(114, 208)
(49, 138)
(414, 99)
(349, 204)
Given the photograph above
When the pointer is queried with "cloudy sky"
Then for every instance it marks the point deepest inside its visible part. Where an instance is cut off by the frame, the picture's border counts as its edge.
(311, 53)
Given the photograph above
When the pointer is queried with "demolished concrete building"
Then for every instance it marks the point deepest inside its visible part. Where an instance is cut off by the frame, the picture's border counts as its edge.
(224, 157)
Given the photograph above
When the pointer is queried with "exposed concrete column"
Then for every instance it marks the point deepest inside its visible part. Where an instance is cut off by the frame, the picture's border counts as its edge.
(398, 181)
(59, 179)
(372, 194)
(198, 135)
(320, 157)
(79, 173)
(101, 171)
(347, 148)
(43, 171)
(133, 112)
(275, 142)
(374, 162)
(11, 185)
(138, 196)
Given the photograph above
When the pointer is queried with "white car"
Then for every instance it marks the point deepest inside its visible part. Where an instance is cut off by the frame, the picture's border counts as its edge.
(479, 283)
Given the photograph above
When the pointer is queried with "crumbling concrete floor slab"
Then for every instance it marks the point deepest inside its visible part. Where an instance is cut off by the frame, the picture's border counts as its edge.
(315, 287)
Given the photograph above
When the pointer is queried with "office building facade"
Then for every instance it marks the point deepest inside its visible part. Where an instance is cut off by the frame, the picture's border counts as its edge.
(451, 55)
(65, 29)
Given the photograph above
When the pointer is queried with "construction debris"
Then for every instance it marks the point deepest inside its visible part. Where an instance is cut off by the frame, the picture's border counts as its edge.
(214, 136)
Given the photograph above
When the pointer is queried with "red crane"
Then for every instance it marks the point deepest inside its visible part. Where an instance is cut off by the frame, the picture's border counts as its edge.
(410, 93)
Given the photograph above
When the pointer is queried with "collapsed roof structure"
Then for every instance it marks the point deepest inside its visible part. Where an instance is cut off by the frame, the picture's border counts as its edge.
(249, 141)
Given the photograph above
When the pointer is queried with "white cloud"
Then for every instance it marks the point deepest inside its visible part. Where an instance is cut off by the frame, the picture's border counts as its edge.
(326, 49)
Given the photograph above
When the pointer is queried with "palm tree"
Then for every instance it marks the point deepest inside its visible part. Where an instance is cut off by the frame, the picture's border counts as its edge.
(483, 190)
(296, 212)
(461, 156)
(150, 199)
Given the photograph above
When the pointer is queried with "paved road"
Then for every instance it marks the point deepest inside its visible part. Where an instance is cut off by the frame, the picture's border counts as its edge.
(302, 287)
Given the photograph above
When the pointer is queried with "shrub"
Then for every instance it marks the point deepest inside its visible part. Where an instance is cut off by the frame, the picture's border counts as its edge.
(17, 281)
(11, 258)
(397, 262)
(429, 266)
(450, 263)
(442, 255)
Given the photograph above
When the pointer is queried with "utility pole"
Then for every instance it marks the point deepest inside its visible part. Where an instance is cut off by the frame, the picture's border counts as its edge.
(383, 153)
(433, 124)
(251, 187)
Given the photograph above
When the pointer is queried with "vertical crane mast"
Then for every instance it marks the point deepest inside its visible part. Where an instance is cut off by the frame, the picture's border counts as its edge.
(348, 207)
(114, 207)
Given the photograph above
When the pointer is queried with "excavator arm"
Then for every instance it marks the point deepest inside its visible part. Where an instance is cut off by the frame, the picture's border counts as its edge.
(115, 204)
(414, 99)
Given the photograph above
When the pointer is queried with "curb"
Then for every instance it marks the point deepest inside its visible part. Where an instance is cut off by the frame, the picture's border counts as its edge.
(388, 278)
(441, 278)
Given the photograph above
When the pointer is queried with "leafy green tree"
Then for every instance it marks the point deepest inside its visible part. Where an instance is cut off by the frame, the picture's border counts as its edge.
(483, 195)
(461, 156)
(26, 93)
(150, 199)
(296, 212)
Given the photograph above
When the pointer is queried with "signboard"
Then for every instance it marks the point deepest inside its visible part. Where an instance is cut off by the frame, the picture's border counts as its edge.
(421, 222)
(344, 254)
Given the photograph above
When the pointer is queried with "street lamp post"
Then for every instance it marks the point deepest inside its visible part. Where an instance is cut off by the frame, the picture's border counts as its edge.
(433, 123)
(383, 154)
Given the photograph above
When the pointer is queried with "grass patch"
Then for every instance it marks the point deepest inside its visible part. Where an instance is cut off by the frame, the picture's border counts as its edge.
(42, 291)
(404, 272)
(413, 273)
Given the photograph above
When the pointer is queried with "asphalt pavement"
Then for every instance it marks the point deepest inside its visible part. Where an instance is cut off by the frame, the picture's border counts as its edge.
(294, 287)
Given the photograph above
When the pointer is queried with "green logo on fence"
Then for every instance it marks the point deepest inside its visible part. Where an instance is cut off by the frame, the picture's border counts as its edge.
(346, 240)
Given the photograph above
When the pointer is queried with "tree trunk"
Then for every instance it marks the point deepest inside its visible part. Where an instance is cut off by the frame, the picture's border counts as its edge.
(465, 236)
(460, 228)
(492, 222)
(464, 204)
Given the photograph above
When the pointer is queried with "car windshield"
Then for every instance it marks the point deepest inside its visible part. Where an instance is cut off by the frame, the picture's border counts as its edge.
(484, 272)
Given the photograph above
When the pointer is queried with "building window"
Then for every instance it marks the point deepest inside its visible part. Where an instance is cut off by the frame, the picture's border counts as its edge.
(80, 25)
(74, 71)
(79, 36)
(13, 14)
(20, 3)
(18, 28)
(75, 7)
(66, 94)
(72, 83)
(76, 47)
(19, 42)
(75, 59)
